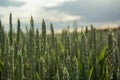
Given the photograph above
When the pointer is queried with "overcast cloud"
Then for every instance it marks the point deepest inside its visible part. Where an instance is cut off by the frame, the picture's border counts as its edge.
(7, 3)
(61, 12)
(92, 10)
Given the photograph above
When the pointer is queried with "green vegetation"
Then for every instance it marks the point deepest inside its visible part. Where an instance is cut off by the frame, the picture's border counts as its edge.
(87, 55)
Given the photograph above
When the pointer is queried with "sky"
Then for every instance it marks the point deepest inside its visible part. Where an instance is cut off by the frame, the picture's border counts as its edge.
(61, 12)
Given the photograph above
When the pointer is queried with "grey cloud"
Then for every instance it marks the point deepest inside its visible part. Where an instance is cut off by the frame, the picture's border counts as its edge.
(1, 16)
(6, 3)
(92, 10)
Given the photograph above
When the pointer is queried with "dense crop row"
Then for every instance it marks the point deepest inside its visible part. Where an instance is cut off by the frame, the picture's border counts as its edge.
(86, 55)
